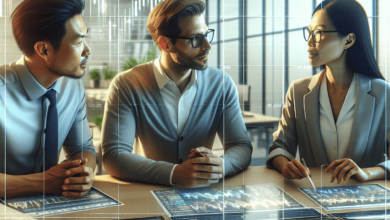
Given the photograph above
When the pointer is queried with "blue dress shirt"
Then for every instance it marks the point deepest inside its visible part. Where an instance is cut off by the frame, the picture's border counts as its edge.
(23, 111)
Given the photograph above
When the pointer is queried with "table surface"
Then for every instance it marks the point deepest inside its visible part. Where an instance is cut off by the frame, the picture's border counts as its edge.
(251, 118)
(139, 202)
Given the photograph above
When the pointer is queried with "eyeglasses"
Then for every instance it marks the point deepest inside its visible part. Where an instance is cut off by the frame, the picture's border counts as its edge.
(316, 34)
(197, 40)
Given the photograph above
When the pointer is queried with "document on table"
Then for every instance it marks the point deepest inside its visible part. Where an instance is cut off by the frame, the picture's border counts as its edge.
(262, 201)
(349, 197)
(39, 206)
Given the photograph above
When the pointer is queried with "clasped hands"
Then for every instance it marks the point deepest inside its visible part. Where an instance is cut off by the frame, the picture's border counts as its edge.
(199, 171)
(343, 170)
(71, 179)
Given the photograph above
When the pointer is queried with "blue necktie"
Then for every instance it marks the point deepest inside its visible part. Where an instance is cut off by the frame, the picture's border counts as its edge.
(51, 141)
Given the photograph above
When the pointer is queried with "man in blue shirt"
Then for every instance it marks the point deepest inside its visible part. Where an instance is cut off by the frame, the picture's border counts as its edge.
(42, 103)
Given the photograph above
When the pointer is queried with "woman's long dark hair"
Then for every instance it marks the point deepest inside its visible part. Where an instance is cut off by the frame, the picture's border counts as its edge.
(348, 16)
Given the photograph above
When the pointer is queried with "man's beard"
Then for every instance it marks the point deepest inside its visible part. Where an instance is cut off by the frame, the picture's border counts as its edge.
(186, 62)
(60, 72)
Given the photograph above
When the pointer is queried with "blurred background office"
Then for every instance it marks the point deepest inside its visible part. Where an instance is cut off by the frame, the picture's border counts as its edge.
(259, 43)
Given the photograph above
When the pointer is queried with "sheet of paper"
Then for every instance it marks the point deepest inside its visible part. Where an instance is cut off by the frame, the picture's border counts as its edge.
(39, 206)
(247, 201)
(349, 197)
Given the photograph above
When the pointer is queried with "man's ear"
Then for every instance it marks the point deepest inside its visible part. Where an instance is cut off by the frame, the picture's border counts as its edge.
(43, 49)
(163, 43)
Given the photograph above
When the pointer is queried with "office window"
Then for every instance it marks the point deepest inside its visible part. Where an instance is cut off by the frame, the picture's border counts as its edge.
(272, 51)
(299, 13)
(254, 72)
(274, 15)
(230, 30)
(299, 65)
(383, 36)
(212, 10)
(274, 74)
(230, 8)
(230, 60)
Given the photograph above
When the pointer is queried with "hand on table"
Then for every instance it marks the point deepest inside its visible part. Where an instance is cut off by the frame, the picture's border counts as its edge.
(345, 169)
(79, 182)
(198, 171)
(294, 170)
(203, 153)
(55, 176)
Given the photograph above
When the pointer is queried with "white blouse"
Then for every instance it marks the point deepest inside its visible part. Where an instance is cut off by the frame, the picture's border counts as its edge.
(336, 136)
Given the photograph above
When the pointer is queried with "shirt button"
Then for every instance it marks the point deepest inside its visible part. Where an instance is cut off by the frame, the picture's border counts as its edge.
(181, 138)
(334, 132)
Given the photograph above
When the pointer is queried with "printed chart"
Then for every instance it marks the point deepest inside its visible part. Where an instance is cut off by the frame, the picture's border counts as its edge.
(251, 200)
(349, 197)
(38, 206)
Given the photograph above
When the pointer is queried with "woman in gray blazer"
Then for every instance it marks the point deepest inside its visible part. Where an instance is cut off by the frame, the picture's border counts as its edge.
(339, 116)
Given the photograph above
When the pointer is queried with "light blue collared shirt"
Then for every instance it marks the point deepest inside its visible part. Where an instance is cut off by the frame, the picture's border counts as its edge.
(23, 110)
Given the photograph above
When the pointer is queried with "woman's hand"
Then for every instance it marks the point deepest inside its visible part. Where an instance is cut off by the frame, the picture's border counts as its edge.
(345, 169)
(294, 170)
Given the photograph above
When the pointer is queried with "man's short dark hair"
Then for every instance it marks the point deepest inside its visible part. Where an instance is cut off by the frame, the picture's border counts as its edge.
(165, 18)
(40, 20)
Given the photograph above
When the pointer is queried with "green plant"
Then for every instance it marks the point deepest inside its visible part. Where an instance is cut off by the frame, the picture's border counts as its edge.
(94, 74)
(150, 55)
(98, 119)
(129, 64)
(108, 74)
(132, 62)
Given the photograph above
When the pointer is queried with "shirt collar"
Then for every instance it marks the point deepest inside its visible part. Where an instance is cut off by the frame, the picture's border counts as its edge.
(350, 100)
(32, 87)
(162, 78)
(351, 95)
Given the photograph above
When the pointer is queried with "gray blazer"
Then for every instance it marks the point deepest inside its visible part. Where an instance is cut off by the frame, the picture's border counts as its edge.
(300, 120)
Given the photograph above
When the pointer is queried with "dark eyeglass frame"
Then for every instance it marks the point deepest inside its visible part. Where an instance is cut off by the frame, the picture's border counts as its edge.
(312, 34)
(193, 37)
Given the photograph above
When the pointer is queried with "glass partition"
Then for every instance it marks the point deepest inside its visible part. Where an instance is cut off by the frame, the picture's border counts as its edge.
(258, 51)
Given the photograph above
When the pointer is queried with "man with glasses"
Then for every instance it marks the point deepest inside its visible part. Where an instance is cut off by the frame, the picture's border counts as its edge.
(161, 117)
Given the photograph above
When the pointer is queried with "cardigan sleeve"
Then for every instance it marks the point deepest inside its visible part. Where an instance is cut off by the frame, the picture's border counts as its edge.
(118, 131)
(232, 131)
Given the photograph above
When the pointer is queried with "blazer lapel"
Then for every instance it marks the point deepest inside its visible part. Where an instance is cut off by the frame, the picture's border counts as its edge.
(362, 119)
(312, 117)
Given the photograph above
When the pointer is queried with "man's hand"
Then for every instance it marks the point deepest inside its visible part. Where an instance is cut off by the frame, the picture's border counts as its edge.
(80, 181)
(345, 169)
(55, 176)
(203, 154)
(198, 171)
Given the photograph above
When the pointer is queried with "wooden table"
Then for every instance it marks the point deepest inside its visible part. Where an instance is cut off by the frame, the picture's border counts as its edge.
(139, 202)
